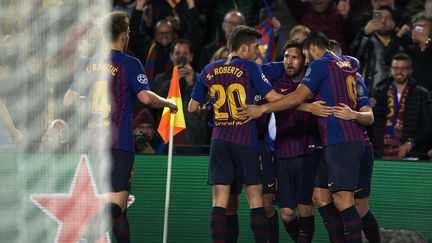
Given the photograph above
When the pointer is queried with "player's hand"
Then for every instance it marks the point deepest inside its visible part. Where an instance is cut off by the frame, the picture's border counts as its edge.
(250, 112)
(429, 153)
(344, 112)
(404, 149)
(344, 8)
(172, 105)
(318, 108)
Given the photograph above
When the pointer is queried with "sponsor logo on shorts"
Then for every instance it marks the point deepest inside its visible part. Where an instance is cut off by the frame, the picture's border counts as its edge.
(330, 184)
(271, 184)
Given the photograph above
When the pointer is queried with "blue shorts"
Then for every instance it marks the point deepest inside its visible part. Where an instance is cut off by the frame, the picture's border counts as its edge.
(267, 169)
(365, 174)
(233, 163)
(295, 179)
(121, 171)
(340, 168)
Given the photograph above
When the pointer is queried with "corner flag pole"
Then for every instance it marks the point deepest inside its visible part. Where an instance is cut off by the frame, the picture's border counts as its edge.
(168, 179)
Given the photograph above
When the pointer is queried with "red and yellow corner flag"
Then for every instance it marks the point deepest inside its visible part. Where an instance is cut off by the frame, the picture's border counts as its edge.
(178, 120)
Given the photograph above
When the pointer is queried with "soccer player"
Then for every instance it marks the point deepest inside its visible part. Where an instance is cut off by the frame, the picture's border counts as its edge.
(233, 83)
(369, 223)
(297, 144)
(332, 79)
(268, 180)
(111, 107)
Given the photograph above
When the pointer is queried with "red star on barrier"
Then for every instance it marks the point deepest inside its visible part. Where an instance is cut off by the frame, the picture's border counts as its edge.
(74, 211)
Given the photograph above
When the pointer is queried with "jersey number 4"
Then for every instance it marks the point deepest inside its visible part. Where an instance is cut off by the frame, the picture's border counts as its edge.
(221, 95)
(100, 102)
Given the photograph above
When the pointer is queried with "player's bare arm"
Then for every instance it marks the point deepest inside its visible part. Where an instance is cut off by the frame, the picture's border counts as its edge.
(317, 108)
(364, 116)
(194, 107)
(273, 96)
(155, 101)
(290, 101)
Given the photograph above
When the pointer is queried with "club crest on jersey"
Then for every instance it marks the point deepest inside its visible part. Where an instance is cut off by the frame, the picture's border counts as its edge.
(360, 90)
(142, 78)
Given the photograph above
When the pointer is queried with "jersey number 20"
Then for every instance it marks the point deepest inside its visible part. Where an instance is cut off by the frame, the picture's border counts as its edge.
(233, 90)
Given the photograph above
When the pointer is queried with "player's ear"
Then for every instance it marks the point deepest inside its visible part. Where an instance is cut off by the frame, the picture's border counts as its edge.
(244, 48)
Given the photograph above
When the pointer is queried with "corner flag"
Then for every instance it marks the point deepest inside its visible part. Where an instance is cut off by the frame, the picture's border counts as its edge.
(178, 121)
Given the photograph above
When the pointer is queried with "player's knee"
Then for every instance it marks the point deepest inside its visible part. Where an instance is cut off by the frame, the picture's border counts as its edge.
(305, 210)
(343, 200)
(287, 214)
(319, 199)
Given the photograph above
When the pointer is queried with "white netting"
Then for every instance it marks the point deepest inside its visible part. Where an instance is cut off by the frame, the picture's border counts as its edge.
(42, 44)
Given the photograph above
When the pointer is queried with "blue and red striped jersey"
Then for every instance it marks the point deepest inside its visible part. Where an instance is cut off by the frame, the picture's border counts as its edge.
(296, 131)
(109, 81)
(363, 100)
(232, 83)
(332, 79)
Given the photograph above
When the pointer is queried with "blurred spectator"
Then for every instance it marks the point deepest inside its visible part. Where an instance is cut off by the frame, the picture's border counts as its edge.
(428, 7)
(222, 52)
(402, 111)
(416, 41)
(232, 19)
(279, 10)
(196, 132)
(352, 24)
(146, 139)
(298, 32)
(320, 15)
(124, 5)
(153, 54)
(369, 46)
(185, 12)
(56, 138)
(216, 13)
(5, 117)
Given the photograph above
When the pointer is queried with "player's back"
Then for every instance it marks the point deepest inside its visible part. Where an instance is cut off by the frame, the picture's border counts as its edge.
(332, 79)
(233, 83)
(109, 86)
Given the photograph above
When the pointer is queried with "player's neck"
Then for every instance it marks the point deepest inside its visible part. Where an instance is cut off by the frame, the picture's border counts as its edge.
(238, 54)
(117, 47)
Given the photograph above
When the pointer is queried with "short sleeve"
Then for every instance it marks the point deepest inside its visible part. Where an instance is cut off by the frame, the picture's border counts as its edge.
(362, 93)
(315, 75)
(272, 70)
(135, 76)
(199, 91)
(259, 80)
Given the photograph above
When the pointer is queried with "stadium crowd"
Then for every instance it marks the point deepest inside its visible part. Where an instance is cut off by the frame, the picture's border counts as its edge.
(193, 33)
